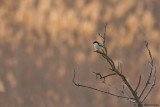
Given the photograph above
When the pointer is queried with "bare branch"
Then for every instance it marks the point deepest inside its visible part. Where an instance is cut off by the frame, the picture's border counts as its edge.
(118, 71)
(103, 77)
(113, 68)
(151, 67)
(146, 43)
(154, 82)
(104, 39)
(138, 84)
(100, 35)
(109, 60)
(120, 67)
(123, 86)
(106, 92)
(122, 91)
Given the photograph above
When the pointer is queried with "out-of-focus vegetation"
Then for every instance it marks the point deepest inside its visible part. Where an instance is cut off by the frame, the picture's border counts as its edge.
(42, 41)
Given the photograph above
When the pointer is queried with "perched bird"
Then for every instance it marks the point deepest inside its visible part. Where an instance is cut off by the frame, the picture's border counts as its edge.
(97, 45)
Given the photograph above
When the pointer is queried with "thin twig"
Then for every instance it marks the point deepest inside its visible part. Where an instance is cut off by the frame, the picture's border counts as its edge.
(103, 77)
(151, 66)
(106, 92)
(104, 39)
(138, 84)
(146, 43)
(120, 67)
(154, 82)
(123, 87)
(122, 91)
(100, 35)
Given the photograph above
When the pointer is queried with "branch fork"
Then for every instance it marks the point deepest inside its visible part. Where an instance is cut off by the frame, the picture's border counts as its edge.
(117, 71)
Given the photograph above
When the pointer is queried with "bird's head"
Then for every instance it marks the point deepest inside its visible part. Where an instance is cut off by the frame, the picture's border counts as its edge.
(95, 42)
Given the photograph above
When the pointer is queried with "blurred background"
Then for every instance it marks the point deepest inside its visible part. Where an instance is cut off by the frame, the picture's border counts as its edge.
(43, 41)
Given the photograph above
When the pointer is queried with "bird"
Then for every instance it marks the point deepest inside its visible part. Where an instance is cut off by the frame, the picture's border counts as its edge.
(97, 46)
